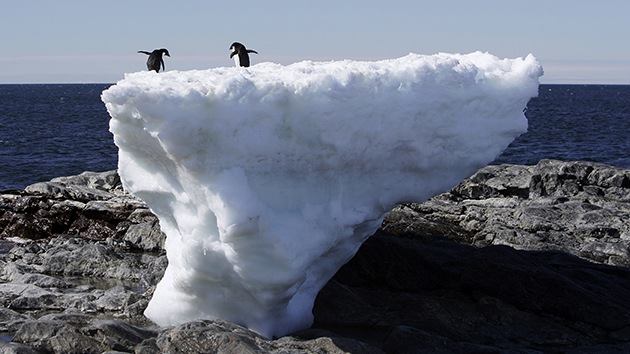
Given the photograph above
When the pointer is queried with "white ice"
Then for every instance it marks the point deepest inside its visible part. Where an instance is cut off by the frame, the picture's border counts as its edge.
(266, 180)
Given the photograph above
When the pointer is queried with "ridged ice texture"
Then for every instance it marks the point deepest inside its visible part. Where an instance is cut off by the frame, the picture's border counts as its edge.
(267, 179)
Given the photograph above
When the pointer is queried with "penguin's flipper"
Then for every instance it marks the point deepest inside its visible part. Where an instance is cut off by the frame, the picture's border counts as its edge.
(233, 54)
(163, 67)
(252, 51)
(143, 52)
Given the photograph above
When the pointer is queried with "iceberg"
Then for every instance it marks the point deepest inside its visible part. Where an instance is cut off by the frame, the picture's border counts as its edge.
(266, 180)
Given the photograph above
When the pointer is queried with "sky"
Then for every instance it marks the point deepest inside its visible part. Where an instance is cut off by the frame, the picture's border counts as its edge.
(45, 41)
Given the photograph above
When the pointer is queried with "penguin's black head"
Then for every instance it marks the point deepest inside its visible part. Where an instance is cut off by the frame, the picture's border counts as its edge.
(165, 52)
(237, 47)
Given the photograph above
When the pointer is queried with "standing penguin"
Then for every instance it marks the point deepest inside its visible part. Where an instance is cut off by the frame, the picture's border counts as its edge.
(239, 53)
(155, 59)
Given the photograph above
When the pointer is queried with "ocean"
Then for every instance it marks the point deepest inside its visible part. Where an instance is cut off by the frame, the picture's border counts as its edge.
(55, 130)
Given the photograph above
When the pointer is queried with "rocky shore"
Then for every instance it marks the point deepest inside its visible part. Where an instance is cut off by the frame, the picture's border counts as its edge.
(514, 259)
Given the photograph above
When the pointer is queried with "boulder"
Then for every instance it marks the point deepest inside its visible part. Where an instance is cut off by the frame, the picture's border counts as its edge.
(577, 207)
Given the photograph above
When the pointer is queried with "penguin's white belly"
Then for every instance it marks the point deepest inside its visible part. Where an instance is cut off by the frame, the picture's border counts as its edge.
(237, 60)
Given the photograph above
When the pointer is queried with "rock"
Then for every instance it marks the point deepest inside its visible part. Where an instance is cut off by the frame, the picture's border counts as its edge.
(76, 257)
(42, 281)
(75, 319)
(27, 296)
(224, 337)
(56, 337)
(399, 292)
(15, 348)
(513, 259)
(76, 275)
(92, 205)
(119, 335)
(576, 207)
(10, 320)
(207, 337)
(72, 334)
(61, 191)
(116, 299)
(86, 186)
(317, 340)
(146, 236)
(404, 339)
(148, 346)
(88, 259)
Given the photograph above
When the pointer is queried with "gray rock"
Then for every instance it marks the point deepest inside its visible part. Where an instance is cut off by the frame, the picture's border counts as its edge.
(86, 186)
(92, 205)
(119, 335)
(10, 319)
(56, 337)
(42, 281)
(75, 257)
(75, 319)
(26, 296)
(58, 190)
(438, 277)
(116, 299)
(147, 346)
(16, 348)
(576, 207)
(320, 342)
(208, 337)
(72, 334)
(146, 236)
(224, 337)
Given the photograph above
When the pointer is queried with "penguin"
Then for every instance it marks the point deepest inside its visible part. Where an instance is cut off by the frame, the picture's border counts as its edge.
(239, 53)
(155, 59)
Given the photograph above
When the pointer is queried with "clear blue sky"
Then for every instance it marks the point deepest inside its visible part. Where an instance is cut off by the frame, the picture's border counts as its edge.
(96, 41)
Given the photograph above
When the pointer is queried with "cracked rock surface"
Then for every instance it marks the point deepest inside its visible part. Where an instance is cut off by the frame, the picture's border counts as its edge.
(577, 207)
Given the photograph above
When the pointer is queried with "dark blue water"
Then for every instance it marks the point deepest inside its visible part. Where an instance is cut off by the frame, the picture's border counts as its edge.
(575, 122)
(52, 130)
(57, 130)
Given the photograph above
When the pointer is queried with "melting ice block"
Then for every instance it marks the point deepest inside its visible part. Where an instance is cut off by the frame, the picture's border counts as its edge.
(266, 180)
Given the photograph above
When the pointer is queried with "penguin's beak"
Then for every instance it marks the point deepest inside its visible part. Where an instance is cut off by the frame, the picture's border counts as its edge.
(168, 55)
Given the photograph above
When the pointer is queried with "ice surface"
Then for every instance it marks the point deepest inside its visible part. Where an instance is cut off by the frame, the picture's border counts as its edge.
(266, 180)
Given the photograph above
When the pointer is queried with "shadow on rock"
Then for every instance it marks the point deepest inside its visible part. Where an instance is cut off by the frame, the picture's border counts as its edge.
(432, 295)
